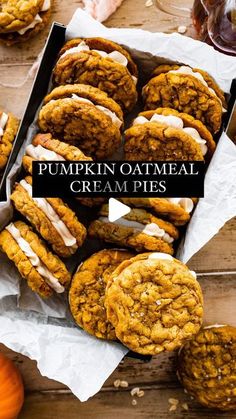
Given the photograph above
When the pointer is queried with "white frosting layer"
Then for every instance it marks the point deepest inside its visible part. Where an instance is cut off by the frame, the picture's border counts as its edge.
(46, 6)
(160, 256)
(34, 259)
(107, 111)
(151, 229)
(193, 273)
(114, 55)
(41, 153)
(175, 122)
(3, 121)
(185, 203)
(59, 225)
(214, 325)
(188, 70)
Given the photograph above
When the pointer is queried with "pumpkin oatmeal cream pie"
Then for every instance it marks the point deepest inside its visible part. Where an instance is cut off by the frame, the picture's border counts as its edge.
(166, 134)
(188, 90)
(8, 130)
(85, 117)
(100, 63)
(207, 367)
(20, 20)
(87, 292)
(154, 303)
(138, 229)
(176, 210)
(44, 272)
(51, 217)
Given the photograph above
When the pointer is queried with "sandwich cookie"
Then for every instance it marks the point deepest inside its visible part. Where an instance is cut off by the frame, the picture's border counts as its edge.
(21, 20)
(85, 117)
(87, 292)
(154, 303)
(8, 129)
(44, 272)
(138, 229)
(176, 210)
(166, 134)
(188, 90)
(100, 63)
(51, 217)
(207, 369)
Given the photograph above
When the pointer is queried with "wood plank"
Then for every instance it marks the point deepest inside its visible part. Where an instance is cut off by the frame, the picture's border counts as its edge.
(112, 405)
(219, 294)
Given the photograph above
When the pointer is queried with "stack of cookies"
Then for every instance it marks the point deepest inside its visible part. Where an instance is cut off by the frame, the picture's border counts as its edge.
(8, 130)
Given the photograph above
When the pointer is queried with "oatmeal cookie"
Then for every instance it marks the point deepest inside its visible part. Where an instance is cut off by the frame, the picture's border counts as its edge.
(44, 272)
(176, 210)
(187, 91)
(87, 292)
(207, 369)
(138, 229)
(84, 117)
(8, 129)
(51, 217)
(154, 303)
(101, 64)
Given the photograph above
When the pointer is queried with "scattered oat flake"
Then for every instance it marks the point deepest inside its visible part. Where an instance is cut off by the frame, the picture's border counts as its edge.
(140, 393)
(116, 383)
(124, 383)
(149, 3)
(185, 406)
(182, 29)
(134, 402)
(173, 401)
(134, 391)
(173, 408)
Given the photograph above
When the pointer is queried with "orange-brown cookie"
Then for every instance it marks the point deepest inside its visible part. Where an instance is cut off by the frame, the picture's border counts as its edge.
(8, 129)
(207, 367)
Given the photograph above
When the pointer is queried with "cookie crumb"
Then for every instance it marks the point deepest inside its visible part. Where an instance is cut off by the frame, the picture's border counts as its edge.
(182, 29)
(173, 401)
(134, 391)
(116, 383)
(140, 393)
(173, 407)
(185, 406)
(134, 402)
(149, 3)
(124, 384)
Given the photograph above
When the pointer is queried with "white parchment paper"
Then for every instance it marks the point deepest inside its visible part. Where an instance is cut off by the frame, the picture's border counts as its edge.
(44, 330)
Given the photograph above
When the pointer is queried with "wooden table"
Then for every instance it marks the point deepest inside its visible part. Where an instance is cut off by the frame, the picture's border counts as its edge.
(215, 265)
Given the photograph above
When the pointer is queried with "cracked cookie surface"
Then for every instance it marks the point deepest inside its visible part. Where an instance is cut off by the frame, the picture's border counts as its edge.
(155, 304)
(207, 367)
(8, 137)
(87, 292)
(17, 14)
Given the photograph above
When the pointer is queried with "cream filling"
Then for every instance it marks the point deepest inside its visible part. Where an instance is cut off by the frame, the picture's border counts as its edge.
(188, 70)
(3, 121)
(151, 229)
(106, 111)
(46, 6)
(214, 325)
(34, 259)
(160, 256)
(58, 224)
(114, 55)
(185, 203)
(175, 122)
(41, 153)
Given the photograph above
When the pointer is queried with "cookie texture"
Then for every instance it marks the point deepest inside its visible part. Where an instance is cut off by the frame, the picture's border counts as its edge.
(206, 367)
(88, 67)
(7, 139)
(35, 215)
(154, 141)
(187, 94)
(82, 125)
(161, 207)
(17, 14)
(87, 292)
(34, 280)
(129, 236)
(155, 303)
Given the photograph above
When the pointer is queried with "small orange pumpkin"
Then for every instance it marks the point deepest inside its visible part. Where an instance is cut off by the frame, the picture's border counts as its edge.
(11, 389)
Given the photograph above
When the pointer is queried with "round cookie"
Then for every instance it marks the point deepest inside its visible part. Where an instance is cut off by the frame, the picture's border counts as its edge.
(99, 63)
(154, 303)
(8, 130)
(176, 210)
(138, 229)
(181, 90)
(87, 292)
(207, 368)
(84, 117)
(51, 217)
(35, 15)
(44, 272)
